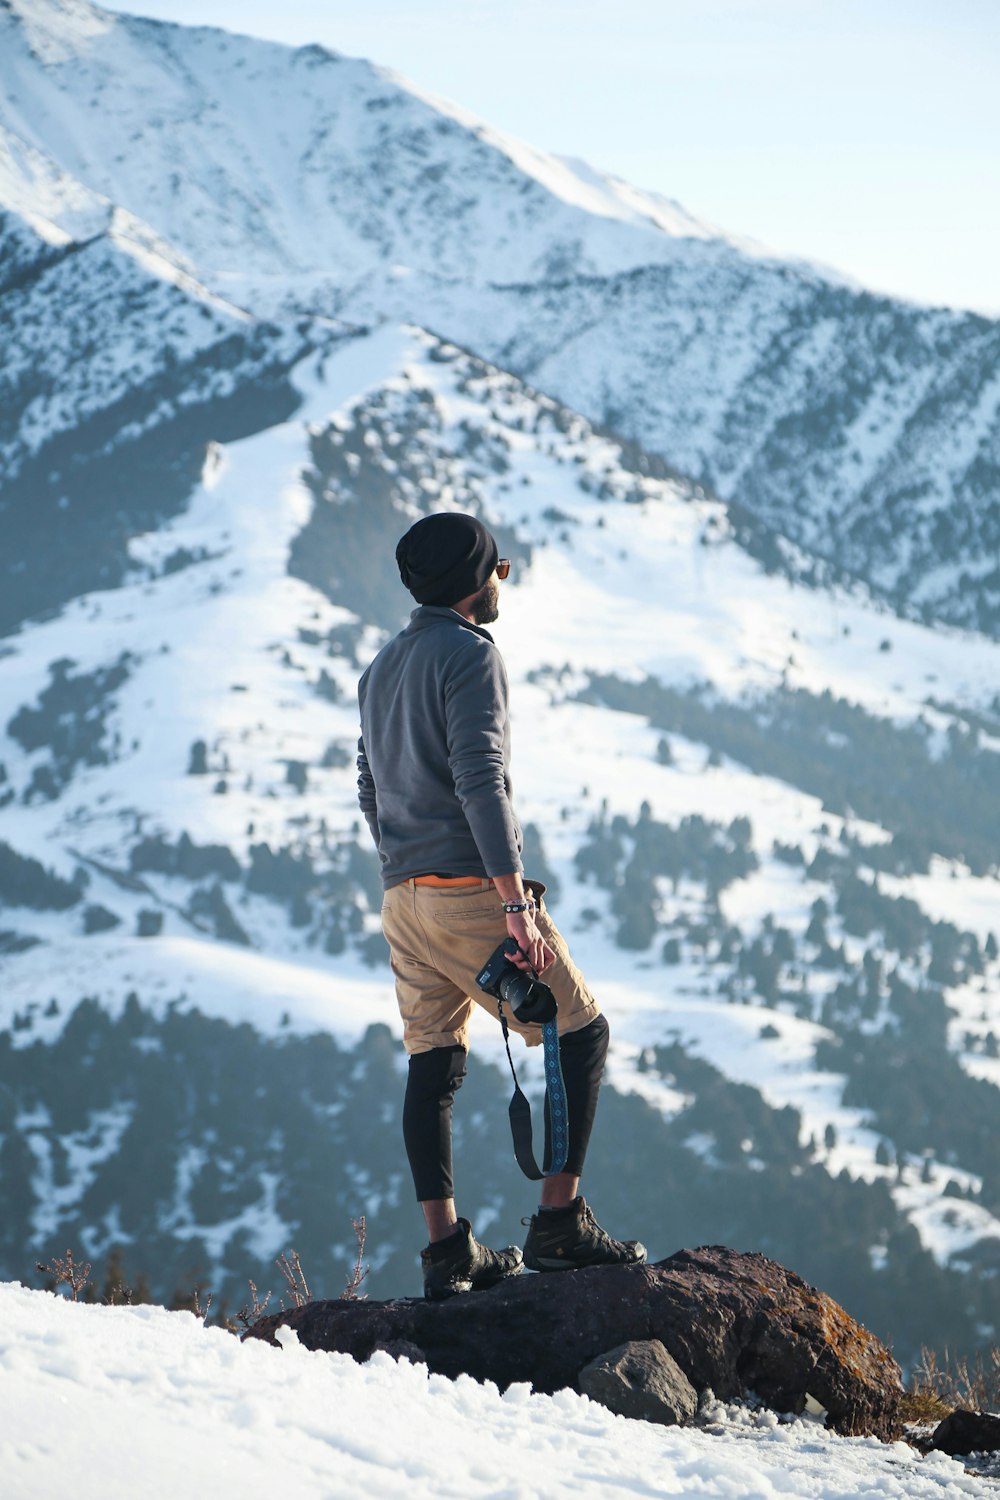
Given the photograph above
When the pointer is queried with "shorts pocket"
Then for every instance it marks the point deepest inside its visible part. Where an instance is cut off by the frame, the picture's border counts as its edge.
(465, 914)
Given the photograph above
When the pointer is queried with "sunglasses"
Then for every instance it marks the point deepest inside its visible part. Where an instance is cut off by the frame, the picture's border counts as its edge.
(503, 567)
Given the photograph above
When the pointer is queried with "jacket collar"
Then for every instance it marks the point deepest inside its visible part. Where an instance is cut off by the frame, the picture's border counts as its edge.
(433, 614)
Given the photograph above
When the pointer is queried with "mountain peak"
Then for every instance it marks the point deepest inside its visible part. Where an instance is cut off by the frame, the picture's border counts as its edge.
(300, 182)
(356, 172)
(57, 30)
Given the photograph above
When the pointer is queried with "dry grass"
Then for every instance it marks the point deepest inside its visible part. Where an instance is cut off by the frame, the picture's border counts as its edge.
(940, 1384)
(297, 1287)
(68, 1272)
(352, 1291)
(250, 1312)
(76, 1276)
(290, 1266)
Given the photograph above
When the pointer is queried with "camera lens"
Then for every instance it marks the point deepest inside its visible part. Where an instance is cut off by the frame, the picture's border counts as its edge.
(516, 988)
(529, 999)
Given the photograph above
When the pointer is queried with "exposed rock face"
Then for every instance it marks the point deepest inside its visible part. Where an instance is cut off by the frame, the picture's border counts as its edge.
(733, 1322)
(641, 1379)
(963, 1432)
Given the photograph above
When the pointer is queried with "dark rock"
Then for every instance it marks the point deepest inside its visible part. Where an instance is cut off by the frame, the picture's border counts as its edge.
(964, 1432)
(640, 1379)
(734, 1322)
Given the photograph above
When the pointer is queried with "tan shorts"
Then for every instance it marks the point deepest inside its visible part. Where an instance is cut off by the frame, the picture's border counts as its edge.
(440, 937)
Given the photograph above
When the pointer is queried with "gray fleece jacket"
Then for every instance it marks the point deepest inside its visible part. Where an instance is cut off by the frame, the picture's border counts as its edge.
(434, 753)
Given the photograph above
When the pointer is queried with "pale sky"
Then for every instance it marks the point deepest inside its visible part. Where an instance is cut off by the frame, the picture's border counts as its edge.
(864, 134)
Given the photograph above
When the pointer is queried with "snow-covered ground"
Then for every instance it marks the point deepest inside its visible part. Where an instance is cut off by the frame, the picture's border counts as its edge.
(112, 1403)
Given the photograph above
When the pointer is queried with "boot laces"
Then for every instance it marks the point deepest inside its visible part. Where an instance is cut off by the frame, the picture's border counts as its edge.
(492, 1260)
(601, 1235)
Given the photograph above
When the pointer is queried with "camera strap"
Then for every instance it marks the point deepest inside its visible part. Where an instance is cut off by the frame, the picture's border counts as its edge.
(555, 1102)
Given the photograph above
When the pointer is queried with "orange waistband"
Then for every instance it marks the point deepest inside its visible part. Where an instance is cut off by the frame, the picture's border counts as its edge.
(449, 880)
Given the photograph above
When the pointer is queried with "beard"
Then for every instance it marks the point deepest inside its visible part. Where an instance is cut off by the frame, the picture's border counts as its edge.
(486, 607)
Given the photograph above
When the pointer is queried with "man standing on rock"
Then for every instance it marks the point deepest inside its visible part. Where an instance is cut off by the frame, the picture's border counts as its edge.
(434, 787)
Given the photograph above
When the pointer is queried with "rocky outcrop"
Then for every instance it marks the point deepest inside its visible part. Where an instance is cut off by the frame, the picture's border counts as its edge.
(735, 1323)
(964, 1432)
(640, 1379)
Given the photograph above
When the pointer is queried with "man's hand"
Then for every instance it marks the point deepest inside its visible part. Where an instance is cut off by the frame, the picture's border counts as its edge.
(535, 953)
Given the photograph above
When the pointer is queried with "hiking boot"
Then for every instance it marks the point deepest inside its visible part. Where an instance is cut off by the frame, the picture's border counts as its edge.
(461, 1264)
(567, 1239)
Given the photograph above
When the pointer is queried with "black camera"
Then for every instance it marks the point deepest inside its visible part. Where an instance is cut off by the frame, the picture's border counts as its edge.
(529, 999)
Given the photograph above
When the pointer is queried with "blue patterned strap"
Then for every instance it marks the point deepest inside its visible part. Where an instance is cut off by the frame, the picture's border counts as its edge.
(555, 1089)
(555, 1095)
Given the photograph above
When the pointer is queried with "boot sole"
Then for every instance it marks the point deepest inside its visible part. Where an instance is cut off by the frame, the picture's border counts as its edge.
(448, 1291)
(484, 1286)
(546, 1263)
(463, 1288)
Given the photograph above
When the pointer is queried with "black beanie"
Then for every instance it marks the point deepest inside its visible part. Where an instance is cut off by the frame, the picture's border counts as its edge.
(446, 557)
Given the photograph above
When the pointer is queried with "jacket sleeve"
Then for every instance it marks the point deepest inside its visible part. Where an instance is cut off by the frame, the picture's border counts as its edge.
(366, 781)
(476, 705)
(366, 793)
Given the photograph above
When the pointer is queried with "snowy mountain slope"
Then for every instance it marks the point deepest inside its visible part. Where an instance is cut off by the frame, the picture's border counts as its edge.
(178, 754)
(315, 1425)
(128, 315)
(359, 170)
(866, 429)
(118, 366)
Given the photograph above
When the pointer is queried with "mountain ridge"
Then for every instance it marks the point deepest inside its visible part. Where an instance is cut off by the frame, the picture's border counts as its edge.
(865, 429)
(192, 97)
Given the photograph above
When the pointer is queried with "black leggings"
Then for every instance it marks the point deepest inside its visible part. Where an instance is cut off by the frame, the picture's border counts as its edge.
(435, 1077)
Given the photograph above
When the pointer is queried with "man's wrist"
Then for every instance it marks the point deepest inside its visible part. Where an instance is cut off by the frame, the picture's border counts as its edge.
(509, 887)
